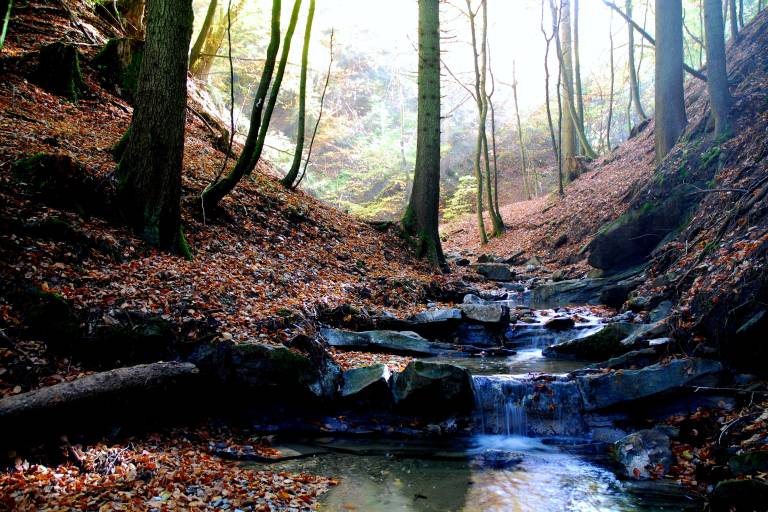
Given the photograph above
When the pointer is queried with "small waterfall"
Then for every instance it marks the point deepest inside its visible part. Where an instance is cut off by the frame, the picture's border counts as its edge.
(507, 405)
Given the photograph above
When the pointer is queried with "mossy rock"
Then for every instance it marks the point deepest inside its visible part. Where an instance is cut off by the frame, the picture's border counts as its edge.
(51, 318)
(749, 463)
(58, 71)
(128, 338)
(739, 496)
(118, 64)
(61, 181)
(53, 228)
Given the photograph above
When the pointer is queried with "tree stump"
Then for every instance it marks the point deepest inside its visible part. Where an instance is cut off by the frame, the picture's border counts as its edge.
(118, 65)
(58, 71)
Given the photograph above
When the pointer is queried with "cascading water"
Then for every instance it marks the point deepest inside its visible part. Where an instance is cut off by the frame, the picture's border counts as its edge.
(509, 405)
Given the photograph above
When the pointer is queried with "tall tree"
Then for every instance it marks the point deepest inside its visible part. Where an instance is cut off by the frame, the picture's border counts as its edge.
(579, 90)
(548, 42)
(421, 216)
(609, 147)
(568, 142)
(150, 168)
(132, 12)
(734, 19)
(205, 30)
(521, 146)
(201, 68)
(634, 83)
(293, 172)
(216, 191)
(717, 75)
(669, 94)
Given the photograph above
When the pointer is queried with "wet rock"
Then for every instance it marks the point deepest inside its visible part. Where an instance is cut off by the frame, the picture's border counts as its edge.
(433, 390)
(644, 454)
(392, 342)
(487, 313)
(616, 295)
(473, 299)
(486, 258)
(576, 291)
(640, 303)
(645, 332)
(496, 459)
(749, 463)
(368, 385)
(739, 496)
(514, 287)
(494, 271)
(636, 358)
(560, 323)
(477, 335)
(462, 262)
(605, 390)
(437, 316)
(661, 311)
(603, 344)
(558, 275)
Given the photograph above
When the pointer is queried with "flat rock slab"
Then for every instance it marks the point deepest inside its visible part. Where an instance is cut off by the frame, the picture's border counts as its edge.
(604, 344)
(433, 389)
(437, 315)
(604, 390)
(391, 342)
(486, 313)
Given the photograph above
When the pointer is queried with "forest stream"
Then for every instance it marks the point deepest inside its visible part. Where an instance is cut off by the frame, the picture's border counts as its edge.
(511, 462)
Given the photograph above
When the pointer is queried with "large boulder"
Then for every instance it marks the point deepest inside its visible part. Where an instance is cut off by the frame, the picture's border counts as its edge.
(118, 65)
(748, 463)
(560, 323)
(604, 344)
(58, 70)
(489, 313)
(433, 390)
(367, 386)
(630, 239)
(739, 496)
(644, 454)
(391, 342)
(494, 271)
(577, 291)
(607, 389)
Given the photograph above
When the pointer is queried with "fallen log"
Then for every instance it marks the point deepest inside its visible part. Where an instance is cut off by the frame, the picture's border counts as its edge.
(114, 397)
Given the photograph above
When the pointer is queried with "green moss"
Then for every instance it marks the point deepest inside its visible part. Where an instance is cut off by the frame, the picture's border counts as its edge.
(711, 155)
(118, 64)
(183, 246)
(119, 149)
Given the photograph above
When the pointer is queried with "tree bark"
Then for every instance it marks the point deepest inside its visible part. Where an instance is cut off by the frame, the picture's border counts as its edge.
(150, 168)
(479, 100)
(521, 146)
(717, 83)
(202, 37)
(217, 190)
(612, 88)
(634, 83)
(669, 94)
(132, 11)
(293, 172)
(553, 137)
(421, 216)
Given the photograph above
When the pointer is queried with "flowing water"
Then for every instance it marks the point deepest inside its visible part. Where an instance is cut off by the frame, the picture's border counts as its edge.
(530, 451)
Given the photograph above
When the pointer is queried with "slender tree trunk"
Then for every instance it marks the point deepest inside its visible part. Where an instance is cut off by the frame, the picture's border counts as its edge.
(202, 68)
(275, 90)
(494, 155)
(717, 75)
(479, 99)
(205, 30)
(577, 68)
(5, 11)
(741, 14)
(734, 19)
(421, 216)
(548, 41)
(320, 113)
(293, 173)
(634, 82)
(669, 94)
(611, 93)
(216, 191)
(568, 143)
(150, 168)
(523, 166)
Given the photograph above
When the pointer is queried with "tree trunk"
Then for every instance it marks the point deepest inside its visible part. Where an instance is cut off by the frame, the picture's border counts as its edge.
(421, 216)
(579, 93)
(634, 83)
(741, 14)
(669, 94)
(205, 31)
(216, 191)
(717, 75)
(150, 168)
(293, 172)
(611, 93)
(479, 99)
(523, 168)
(548, 41)
(6, 6)
(568, 142)
(734, 19)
